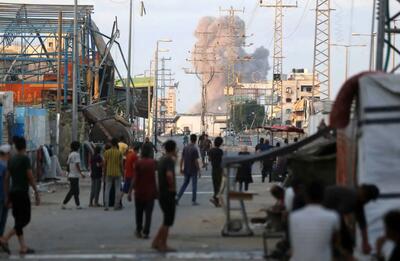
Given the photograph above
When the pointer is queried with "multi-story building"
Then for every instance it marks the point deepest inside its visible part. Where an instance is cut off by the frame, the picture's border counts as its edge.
(296, 91)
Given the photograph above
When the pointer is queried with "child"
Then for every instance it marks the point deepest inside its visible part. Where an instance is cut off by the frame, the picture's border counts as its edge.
(130, 168)
(96, 174)
(74, 172)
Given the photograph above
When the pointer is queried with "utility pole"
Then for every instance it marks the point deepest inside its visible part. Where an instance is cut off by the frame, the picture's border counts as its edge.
(128, 80)
(155, 95)
(322, 53)
(74, 126)
(162, 91)
(372, 48)
(232, 60)
(277, 68)
(59, 51)
(205, 77)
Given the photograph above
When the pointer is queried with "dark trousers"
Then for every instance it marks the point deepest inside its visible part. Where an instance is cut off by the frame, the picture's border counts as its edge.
(216, 175)
(266, 170)
(3, 216)
(186, 182)
(246, 186)
(95, 190)
(73, 191)
(146, 208)
(21, 210)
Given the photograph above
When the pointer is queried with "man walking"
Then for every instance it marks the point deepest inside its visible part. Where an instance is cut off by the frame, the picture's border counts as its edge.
(149, 143)
(132, 157)
(190, 169)
(267, 163)
(113, 166)
(20, 171)
(215, 156)
(201, 143)
(166, 197)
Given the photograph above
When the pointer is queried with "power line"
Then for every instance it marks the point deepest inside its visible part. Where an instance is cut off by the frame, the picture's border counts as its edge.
(299, 23)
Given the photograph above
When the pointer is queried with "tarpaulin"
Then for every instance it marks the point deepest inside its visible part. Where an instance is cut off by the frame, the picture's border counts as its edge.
(379, 144)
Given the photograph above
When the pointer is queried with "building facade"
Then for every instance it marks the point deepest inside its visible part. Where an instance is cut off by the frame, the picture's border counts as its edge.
(287, 108)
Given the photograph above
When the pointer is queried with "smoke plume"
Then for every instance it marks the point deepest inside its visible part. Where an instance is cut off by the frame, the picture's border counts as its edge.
(220, 49)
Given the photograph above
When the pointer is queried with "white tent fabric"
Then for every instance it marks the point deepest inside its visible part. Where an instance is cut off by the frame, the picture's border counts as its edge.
(379, 144)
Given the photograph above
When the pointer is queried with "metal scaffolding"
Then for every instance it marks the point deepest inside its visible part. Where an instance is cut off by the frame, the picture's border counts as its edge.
(36, 55)
(386, 33)
(276, 102)
(30, 51)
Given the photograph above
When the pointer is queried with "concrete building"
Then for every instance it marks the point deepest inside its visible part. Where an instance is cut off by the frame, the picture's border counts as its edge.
(296, 90)
(216, 123)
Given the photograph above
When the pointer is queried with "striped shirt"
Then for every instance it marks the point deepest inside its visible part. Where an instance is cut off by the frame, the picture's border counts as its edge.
(113, 158)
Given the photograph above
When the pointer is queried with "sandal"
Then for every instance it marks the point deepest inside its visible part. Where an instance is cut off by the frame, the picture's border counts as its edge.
(27, 251)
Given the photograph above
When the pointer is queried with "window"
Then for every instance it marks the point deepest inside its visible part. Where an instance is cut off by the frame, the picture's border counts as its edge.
(306, 88)
(288, 90)
(288, 122)
(51, 45)
(288, 111)
(288, 100)
(299, 124)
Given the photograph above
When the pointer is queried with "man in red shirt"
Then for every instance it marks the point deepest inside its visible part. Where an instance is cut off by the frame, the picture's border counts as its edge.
(144, 184)
(130, 166)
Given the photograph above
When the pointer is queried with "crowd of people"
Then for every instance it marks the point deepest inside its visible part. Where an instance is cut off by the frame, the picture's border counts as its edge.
(140, 174)
(319, 221)
(316, 219)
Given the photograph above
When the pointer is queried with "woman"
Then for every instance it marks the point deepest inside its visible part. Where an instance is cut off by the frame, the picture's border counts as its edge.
(243, 175)
(74, 172)
(96, 173)
(144, 184)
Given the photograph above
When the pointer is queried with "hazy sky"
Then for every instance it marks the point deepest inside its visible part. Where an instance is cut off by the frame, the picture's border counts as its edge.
(177, 20)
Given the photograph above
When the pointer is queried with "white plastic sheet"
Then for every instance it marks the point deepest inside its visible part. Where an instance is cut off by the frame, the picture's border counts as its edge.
(379, 144)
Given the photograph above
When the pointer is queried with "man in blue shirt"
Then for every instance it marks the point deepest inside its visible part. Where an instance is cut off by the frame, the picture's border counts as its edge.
(190, 168)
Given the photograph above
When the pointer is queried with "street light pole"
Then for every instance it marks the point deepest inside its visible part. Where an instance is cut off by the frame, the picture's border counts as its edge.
(74, 127)
(128, 80)
(372, 50)
(347, 46)
(155, 95)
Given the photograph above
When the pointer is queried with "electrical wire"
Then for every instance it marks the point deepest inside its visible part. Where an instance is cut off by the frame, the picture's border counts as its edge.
(299, 23)
(252, 15)
(119, 1)
(338, 22)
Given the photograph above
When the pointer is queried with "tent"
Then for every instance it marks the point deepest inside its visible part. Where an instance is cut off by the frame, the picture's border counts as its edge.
(376, 128)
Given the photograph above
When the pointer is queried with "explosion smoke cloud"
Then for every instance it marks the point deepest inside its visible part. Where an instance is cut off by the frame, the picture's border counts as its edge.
(219, 46)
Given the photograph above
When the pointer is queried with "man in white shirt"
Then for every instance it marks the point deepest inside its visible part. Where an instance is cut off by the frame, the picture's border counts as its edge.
(313, 229)
(74, 172)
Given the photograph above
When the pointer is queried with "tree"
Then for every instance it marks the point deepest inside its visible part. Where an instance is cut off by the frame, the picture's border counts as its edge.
(246, 115)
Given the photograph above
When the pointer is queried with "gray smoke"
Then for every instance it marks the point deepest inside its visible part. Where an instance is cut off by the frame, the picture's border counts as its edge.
(220, 46)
